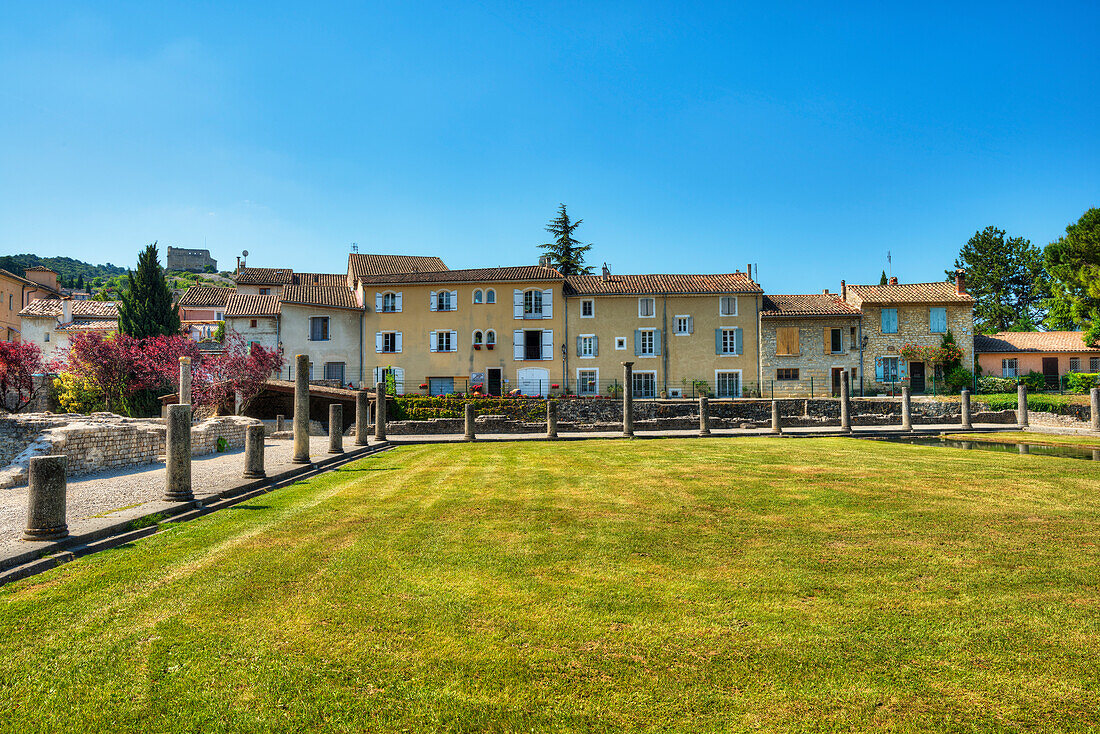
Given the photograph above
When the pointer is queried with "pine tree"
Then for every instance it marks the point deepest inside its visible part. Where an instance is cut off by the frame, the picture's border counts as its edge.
(883, 280)
(147, 308)
(566, 253)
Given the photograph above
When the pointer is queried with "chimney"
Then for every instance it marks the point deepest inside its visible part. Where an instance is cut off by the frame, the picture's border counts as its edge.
(960, 281)
(894, 280)
(843, 291)
(66, 310)
(606, 274)
(748, 270)
(544, 261)
(824, 291)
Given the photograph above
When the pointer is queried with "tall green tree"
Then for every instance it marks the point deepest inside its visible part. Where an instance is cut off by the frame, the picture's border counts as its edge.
(566, 253)
(1073, 261)
(1007, 279)
(883, 280)
(146, 308)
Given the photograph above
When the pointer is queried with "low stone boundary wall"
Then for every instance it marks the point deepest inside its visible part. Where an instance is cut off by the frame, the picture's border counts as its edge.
(103, 441)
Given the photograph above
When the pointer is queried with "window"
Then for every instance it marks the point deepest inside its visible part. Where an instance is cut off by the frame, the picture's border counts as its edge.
(318, 328)
(1094, 364)
(490, 296)
(10, 297)
(889, 318)
(334, 371)
(786, 341)
(683, 325)
(1009, 368)
(852, 337)
(47, 337)
(890, 369)
(1074, 364)
(389, 303)
(477, 296)
(727, 306)
(389, 342)
(786, 373)
(219, 315)
(588, 382)
(532, 305)
(586, 346)
(836, 341)
(646, 342)
(728, 341)
(265, 291)
(647, 308)
(620, 343)
(937, 320)
(477, 338)
(443, 341)
(443, 301)
(252, 323)
(588, 308)
(644, 384)
(727, 384)
(490, 337)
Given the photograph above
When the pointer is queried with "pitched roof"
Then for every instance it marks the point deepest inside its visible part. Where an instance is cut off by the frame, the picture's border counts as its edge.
(99, 325)
(661, 284)
(249, 305)
(1032, 341)
(320, 295)
(333, 279)
(367, 266)
(472, 275)
(41, 269)
(808, 305)
(939, 292)
(81, 309)
(265, 276)
(27, 281)
(206, 295)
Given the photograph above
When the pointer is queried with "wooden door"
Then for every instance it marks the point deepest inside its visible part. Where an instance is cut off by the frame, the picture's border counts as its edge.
(1050, 372)
(837, 372)
(916, 376)
(493, 386)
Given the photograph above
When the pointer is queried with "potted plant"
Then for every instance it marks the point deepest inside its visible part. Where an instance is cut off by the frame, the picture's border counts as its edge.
(477, 345)
(490, 346)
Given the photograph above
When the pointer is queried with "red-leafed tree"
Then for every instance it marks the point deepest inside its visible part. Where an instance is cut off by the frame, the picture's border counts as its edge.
(19, 363)
(240, 369)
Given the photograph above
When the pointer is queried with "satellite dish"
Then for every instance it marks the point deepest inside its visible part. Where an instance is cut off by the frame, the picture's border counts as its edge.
(244, 254)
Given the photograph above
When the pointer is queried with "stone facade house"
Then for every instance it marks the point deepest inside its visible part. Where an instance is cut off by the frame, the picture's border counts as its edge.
(1054, 353)
(918, 314)
(255, 319)
(51, 322)
(807, 342)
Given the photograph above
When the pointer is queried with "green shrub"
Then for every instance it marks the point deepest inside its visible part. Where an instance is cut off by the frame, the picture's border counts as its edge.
(958, 378)
(988, 385)
(1034, 381)
(426, 407)
(1082, 382)
(1035, 401)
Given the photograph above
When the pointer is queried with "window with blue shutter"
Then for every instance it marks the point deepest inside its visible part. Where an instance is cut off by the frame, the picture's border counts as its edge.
(937, 320)
(889, 321)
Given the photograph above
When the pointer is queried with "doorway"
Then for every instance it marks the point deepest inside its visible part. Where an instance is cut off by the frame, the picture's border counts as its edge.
(493, 377)
(1050, 372)
(916, 376)
(837, 372)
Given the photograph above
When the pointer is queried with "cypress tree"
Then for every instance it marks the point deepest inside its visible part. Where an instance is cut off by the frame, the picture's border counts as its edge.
(882, 280)
(147, 309)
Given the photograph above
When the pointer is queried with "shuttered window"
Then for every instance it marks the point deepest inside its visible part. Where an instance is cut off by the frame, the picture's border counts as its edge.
(786, 341)
(937, 320)
(889, 321)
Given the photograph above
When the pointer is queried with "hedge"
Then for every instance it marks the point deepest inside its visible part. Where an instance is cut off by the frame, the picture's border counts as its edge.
(1082, 382)
(425, 407)
(1035, 401)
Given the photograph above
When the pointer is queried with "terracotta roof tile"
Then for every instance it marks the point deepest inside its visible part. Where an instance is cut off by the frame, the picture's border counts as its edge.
(333, 279)
(472, 275)
(100, 325)
(41, 269)
(661, 284)
(81, 309)
(1032, 341)
(367, 266)
(206, 295)
(265, 276)
(939, 292)
(250, 305)
(320, 295)
(809, 305)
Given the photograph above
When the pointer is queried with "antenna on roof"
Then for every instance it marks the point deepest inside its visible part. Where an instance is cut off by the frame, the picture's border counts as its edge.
(889, 262)
(355, 247)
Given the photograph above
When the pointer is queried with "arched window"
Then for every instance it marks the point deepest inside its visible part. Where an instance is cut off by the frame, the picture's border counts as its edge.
(490, 337)
(477, 338)
(443, 301)
(477, 296)
(490, 296)
(532, 303)
(389, 302)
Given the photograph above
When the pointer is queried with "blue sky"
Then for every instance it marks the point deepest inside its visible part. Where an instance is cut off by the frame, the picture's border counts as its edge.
(809, 139)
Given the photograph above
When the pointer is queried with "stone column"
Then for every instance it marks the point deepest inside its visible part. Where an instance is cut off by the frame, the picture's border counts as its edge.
(776, 426)
(380, 411)
(1096, 454)
(280, 423)
(1094, 404)
(628, 399)
(237, 400)
(46, 499)
(335, 428)
(845, 404)
(470, 415)
(906, 412)
(185, 381)
(704, 416)
(362, 417)
(301, 409)
(177, 450)
(551, 419)
(1023, 448)
(1021, 405)
(964, 409)
(254, 452)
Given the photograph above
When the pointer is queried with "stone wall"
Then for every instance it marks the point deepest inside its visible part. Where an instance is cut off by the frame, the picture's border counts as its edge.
(814, 364)
(913, 328)
(101, 441)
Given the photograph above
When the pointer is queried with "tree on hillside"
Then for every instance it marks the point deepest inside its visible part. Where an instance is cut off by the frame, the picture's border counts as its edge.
(566, 253)
(883, 280)
(80, 282)
(146, 308)
(1007, 279)
(1073, 262)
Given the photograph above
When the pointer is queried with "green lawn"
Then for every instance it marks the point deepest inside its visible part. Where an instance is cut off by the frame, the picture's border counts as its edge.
(701, 585)
(1044, 439)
